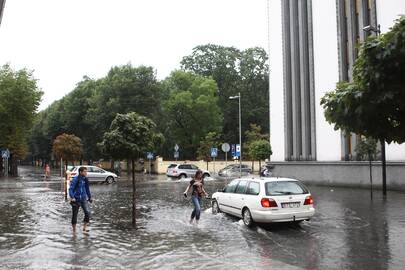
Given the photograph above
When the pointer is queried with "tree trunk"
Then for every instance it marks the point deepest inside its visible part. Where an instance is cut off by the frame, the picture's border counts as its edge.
(133, 194)
(12, 166)
(260, 166)
(384, 168)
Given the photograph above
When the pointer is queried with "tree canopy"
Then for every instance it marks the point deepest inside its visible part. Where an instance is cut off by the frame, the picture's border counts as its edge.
(190, 110)
(19, 100)
(235, 71)
(373, 104)
(67, 147)
(130, 135)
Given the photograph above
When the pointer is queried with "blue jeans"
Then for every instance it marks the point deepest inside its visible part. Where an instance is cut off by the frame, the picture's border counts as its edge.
(75, 210)
(197, 207)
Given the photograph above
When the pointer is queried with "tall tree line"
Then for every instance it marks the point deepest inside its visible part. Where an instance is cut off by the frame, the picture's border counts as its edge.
(186, 106)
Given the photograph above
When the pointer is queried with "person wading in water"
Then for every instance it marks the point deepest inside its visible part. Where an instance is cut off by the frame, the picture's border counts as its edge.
(79, 193)
(197, 186)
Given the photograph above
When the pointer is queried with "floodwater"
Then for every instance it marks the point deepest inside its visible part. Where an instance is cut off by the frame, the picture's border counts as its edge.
(349, 231)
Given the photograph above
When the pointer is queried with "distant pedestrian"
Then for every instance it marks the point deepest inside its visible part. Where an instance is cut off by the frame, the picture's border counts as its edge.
(197, 186)
(79, 193)
(47, 171)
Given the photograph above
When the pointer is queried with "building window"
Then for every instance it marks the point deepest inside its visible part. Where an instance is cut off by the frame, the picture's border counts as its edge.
(298, 80)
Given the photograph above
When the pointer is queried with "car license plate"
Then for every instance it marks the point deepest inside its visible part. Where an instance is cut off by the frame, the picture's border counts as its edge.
(290, 205)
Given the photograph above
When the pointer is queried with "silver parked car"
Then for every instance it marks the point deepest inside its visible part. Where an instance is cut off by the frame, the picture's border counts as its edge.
(184, 170)
(95, 174)
(234, 171)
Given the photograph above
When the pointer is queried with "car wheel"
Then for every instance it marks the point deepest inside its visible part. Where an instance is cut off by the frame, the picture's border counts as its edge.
(182, 176)
(215, 208)
(206, 175)
(109, 180)
(247, 217)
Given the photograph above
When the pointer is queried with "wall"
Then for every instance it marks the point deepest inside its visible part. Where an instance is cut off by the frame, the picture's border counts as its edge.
(355, 174)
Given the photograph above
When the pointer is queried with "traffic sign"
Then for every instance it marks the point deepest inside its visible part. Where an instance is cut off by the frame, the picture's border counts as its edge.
(150, 155)
(237, 152)
(214, 152)
(233, 150)
(176, 154)
(176, 147)
(225, 147)
(5, 153)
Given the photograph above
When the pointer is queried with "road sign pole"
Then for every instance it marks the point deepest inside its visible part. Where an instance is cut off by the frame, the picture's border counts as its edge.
(214, 165)
(226, 158)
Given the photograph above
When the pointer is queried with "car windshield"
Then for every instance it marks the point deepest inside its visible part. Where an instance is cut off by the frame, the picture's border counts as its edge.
(285, 188)
(172, 166)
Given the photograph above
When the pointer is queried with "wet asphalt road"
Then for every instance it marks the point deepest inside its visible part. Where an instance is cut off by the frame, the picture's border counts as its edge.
(349, 230)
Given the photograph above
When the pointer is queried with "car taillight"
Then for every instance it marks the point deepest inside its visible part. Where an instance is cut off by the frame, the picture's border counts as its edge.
(308, 200)
(174, 171)
(73, 174)
(266, 202)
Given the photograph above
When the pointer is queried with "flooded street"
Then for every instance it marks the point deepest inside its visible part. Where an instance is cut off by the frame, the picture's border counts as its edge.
(349, 231)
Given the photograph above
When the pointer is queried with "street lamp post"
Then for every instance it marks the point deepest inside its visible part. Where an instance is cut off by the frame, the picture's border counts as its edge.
(240, 133)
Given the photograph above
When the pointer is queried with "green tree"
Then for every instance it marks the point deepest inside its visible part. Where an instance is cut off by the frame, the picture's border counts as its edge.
(131, 135)
(235, 71)
(253, 134)
(19, 100)
(260, 150)
(76, 105)
(212, 139)
(125, 89)
(67, 147)
(373, 105)
(190, 110)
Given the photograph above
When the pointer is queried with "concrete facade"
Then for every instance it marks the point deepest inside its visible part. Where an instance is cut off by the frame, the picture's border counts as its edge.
(334, 27)
(349, 174)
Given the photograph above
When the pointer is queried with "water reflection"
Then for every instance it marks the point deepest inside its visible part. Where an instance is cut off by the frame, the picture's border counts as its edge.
(348, 231)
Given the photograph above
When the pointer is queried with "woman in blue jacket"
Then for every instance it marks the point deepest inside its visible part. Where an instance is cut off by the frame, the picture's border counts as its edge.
(79, 193)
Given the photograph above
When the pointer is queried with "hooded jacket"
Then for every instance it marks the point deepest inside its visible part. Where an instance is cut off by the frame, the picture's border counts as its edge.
(80, 191)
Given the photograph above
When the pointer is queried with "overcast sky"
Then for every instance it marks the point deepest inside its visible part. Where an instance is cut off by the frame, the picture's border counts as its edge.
(63, 40)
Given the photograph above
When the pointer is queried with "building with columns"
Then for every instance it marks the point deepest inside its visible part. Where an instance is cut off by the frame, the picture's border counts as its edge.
(313, 45)
(2, 4)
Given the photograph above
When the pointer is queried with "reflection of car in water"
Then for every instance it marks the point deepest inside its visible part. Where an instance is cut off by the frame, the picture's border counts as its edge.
(265, 200)
(95, 174)
(233, 170)
(184, 170)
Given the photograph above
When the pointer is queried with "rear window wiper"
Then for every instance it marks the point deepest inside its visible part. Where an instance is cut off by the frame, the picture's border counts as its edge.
(283, 192)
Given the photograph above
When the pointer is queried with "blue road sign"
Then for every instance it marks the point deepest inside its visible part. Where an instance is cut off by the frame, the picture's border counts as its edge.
(237, 150)
(176, 154)
(5, 153)
(150, 155)
(214, 152)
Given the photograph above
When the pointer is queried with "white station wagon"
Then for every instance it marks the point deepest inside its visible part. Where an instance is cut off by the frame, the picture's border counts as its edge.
(265, 200)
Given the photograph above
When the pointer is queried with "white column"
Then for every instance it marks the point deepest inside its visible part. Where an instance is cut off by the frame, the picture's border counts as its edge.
(276, 81)
(326, 72)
